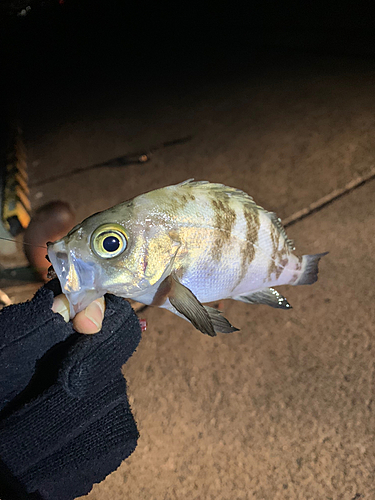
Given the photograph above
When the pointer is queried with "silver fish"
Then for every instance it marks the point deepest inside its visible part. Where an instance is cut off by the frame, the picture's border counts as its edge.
(180, 247)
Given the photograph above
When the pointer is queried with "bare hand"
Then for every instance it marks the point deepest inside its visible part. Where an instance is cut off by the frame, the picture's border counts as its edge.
(87, 321)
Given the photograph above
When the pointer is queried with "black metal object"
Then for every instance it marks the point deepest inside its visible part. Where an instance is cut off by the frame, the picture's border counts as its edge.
(14, 191)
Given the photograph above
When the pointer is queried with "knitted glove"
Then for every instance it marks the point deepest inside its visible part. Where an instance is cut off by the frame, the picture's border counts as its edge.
(65, 421)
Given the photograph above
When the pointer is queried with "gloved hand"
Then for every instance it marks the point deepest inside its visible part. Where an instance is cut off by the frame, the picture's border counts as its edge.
(65, 420)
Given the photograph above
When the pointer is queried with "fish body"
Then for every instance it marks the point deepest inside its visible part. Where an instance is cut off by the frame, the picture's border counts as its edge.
(180, 247)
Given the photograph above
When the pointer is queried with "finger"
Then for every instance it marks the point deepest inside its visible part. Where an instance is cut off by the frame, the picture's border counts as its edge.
(90, 319)
(61, 305)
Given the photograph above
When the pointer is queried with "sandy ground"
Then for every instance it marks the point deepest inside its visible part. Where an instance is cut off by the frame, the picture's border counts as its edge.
(282, 409)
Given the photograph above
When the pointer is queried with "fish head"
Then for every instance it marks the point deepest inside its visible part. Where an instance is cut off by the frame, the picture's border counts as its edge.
(102, 254)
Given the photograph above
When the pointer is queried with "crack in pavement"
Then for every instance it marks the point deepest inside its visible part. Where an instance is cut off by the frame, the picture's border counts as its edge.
(329, 198)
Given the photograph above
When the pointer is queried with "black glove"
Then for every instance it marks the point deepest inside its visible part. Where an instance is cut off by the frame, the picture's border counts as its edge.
(65, 420)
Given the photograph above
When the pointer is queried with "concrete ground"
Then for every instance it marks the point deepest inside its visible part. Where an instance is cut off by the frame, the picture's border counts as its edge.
(282, 409)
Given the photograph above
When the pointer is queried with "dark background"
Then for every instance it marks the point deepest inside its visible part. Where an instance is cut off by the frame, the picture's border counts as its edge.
(60, 50)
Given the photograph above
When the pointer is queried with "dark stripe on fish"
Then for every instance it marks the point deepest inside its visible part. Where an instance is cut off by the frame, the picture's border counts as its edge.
(180, 201)
(225, 218)
(278, 257)
(248, 250)
(272, 266)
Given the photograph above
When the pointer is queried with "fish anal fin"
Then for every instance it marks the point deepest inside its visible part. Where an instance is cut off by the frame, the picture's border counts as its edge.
(268, 296)
(220, 323)
(187, 304)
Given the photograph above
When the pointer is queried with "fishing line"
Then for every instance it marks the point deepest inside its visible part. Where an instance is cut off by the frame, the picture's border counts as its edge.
(29, 244)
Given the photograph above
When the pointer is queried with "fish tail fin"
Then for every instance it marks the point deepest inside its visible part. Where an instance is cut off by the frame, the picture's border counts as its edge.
(310, 269)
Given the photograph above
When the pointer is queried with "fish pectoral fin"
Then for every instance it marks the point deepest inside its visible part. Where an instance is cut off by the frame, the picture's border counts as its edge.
(220, 323)
(268, 296)
(187, 304)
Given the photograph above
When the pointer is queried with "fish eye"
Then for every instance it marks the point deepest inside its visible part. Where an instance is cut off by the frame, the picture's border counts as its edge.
(111, 243)
(109, 240)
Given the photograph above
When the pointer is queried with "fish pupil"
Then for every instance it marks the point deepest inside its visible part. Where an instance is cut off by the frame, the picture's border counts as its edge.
(111, 243)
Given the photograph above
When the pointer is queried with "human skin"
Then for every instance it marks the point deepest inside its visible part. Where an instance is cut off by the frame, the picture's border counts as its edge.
(88, 321)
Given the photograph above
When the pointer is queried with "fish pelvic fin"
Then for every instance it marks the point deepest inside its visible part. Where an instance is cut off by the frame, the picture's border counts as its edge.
(220, 323)
(310, 269)
(268, 296)
(205, 319)
(187, 304)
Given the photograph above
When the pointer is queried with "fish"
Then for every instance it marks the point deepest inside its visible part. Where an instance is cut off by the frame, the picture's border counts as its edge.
(178, 248)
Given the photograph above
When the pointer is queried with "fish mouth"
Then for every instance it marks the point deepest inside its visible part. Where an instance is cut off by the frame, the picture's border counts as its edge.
(78, 278)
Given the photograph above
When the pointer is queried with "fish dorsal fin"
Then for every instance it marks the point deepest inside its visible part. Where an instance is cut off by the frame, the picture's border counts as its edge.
(221, 188)
(242, 197)
(279, 225)
(191, 181)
